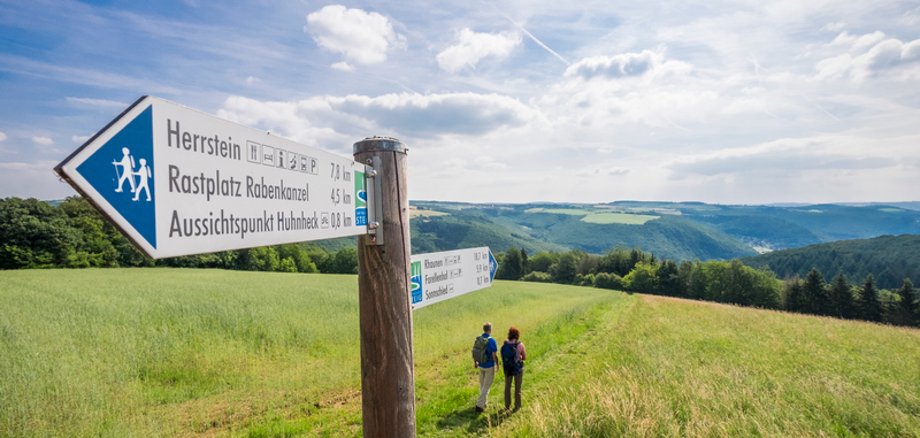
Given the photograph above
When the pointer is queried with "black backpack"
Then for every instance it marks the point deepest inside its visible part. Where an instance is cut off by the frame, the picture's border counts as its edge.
(511, 360)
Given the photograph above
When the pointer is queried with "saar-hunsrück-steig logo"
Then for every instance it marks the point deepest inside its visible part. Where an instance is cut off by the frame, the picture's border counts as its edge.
(416, 280)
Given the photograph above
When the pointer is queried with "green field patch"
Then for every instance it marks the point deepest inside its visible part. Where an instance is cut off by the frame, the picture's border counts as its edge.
(618, 218)
(565, 211)
(421, 212)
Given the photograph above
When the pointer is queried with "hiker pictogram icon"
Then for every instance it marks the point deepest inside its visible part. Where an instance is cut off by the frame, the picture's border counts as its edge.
(125, 171)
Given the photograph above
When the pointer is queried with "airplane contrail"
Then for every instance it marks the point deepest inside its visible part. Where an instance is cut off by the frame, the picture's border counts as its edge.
(540, 43)
(531, 36)
(830, 114)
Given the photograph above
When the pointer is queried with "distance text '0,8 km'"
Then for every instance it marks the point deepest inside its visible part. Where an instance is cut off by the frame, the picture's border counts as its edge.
(179, 182)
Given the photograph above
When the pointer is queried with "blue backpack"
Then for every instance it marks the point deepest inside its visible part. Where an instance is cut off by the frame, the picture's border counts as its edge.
(511, 360)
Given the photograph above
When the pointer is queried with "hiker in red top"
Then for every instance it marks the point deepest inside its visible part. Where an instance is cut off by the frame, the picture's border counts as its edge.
(513, 356)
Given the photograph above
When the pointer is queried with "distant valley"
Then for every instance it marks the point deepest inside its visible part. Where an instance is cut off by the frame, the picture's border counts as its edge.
(673, 230)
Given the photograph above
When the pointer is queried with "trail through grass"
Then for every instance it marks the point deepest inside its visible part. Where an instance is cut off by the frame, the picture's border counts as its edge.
(669, 367)
(159, 352)
(164, 352)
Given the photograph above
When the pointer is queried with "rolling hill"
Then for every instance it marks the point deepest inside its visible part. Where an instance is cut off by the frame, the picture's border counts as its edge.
(671, 230)
(889, 258)
(180, 352)
(679, 231)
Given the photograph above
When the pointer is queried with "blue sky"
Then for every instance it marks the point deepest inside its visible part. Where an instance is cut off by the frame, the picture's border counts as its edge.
(516, 101)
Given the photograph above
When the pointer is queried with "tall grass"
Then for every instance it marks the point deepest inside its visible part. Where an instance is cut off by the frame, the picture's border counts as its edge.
(161, 352)
(669, 367)
(156, 352)
(164, 352)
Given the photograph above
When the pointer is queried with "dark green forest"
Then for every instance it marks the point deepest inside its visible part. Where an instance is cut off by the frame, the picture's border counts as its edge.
(889, 258)
(730, 282)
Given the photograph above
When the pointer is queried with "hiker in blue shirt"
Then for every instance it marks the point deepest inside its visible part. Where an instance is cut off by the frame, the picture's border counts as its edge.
(485, 359)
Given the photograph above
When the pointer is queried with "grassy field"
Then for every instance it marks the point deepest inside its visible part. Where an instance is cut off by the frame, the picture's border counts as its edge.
(159, 352)
(598, 217)
(420, 212)
(566, 211)
(618, 218)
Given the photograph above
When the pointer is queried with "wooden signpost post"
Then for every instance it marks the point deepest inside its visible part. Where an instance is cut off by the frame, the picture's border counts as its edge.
(387, 380)
(178, 182)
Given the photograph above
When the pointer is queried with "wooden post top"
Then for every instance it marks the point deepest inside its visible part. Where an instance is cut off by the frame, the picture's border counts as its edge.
(380, 144)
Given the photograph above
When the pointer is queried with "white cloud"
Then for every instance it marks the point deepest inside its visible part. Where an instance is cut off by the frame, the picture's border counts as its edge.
(857, 42)
(42, 140)
(405, 114)
(639, 88)
(342, 66)
(253, 80)
(911, 17)
(471, 47)
(2, 136)
(79, 138)
(625, 65)
(869, 55)
(431, 115)
(18, 165)
(310, 121)
(489, 163)
(361, 37)
(103, 103)
(31, 179)
(796, 155)
(835, 26)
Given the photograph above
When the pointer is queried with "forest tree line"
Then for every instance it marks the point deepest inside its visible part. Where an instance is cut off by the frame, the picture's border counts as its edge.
(730, 282)
(890, 259)
(72, 234)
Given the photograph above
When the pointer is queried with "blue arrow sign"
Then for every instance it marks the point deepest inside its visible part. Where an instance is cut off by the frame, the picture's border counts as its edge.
(177, 182)
(493, 266)
(114, 171)
(440, 276)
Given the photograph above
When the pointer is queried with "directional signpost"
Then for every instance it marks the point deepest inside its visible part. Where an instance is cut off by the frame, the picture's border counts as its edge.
(178, 182)
(440, 276)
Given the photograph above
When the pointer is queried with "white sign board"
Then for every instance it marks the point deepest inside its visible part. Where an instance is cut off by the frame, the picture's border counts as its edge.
(440, 276)
(178, 181)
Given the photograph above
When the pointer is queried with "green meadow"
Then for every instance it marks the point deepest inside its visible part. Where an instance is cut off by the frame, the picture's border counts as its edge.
(597, 216)
(176, 352)
(565, 211)
(618, 218)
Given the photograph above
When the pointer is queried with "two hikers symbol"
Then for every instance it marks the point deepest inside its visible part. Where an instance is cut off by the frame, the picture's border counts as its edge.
(127, 173)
